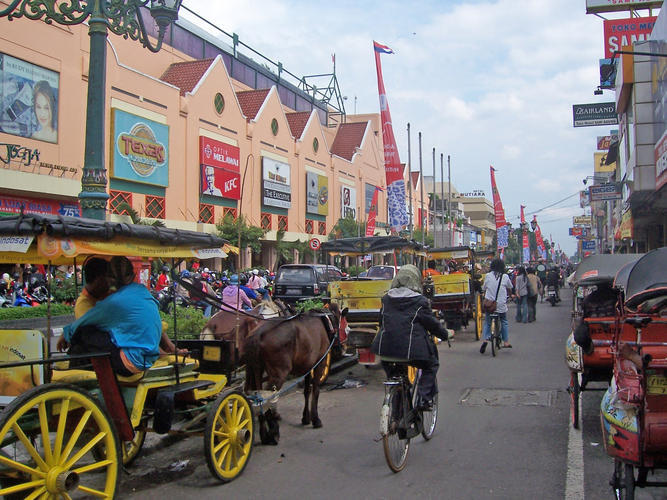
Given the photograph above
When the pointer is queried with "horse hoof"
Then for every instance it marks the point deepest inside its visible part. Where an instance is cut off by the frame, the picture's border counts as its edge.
(317, 424)
(305, 421)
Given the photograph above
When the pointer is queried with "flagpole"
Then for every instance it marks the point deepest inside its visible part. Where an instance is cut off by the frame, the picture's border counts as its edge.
(421, 187)
(410, 182)
(449, 202)
(442, 196)
(433, 195)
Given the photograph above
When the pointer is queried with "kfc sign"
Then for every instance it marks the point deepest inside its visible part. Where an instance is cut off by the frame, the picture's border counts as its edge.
(220, 182)
(219, 154)
(619, 33)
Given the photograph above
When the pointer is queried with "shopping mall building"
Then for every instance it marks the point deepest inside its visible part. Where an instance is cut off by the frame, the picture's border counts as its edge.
(194, 132)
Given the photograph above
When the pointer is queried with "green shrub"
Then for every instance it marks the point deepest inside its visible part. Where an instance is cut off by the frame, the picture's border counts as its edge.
(307, 305)
(189, 321)
(355, 270)
(9, 313)
(65, 291)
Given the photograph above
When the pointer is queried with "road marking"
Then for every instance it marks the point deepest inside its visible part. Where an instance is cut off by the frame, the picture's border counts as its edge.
(574, 479)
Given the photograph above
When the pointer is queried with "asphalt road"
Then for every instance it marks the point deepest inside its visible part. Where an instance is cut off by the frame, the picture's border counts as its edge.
(503, 432)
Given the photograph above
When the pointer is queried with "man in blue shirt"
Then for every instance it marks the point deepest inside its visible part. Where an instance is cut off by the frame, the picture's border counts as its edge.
(126, 323)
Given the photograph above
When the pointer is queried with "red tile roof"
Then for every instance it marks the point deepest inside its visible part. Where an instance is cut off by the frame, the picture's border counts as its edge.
(250, 101)
(348, 139)
(186, 75)
(297, 122)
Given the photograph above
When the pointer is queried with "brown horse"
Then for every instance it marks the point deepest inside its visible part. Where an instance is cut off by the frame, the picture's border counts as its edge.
(293, 346)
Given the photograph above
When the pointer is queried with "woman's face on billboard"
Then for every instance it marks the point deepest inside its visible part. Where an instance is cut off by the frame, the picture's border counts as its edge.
(43, 111)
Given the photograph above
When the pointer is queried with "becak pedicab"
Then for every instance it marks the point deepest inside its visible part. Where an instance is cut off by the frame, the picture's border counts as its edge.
(595, 303)
(66, 433)
(634, 408)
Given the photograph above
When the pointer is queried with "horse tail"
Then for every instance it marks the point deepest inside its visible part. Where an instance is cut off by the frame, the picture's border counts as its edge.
(253, 363)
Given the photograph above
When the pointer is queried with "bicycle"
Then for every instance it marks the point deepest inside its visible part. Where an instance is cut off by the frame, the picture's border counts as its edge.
(402, 416)
(496, 340)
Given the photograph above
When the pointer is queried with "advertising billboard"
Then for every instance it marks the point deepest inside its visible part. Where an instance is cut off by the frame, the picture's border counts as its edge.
(348, 202)
(276, 186)
(658, 93)
(581, 220)
(16, 205)
(588, 245)
(317, 194)
(605, 192)
(597, 6)
(604, 141)
(619, 33)
(140, 149)
(600, 166)
(220, 170)
(28, 99)
(590, 115)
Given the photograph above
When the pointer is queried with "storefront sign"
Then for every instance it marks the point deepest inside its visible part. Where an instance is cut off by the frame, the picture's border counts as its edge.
(317, 194)
(41, 206)
(276, 185)
(660, 153)
(588, 245)
(576, 231)
(20, 345)
(605, 141)
(604, 192)
(348, 202)
(140, 149)
(597, 6)
(581, 220)
(584, 200)
(619, 33)
(220, 171)
(28, 99)
(14, 152)
(477, 193)
(369, 191)
(590, 115)
(627, 225)
(15, 243)
(600, 166)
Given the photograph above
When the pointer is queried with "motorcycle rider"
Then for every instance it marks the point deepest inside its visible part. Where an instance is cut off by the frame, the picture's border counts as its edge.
(163, 279)
(553, 279)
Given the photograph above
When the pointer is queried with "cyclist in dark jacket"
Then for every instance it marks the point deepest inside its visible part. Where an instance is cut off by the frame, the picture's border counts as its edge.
(406, 325)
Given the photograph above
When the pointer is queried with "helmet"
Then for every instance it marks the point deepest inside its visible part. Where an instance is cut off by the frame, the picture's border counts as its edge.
(243, 279)
(185, 273)
(206, 269)
(165, 269)
(5, 276)
(255, 271)
(234, 280)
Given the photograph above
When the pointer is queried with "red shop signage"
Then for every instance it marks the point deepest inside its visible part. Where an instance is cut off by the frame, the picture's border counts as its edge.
(619, 33)
(41, 206)
(220, 182)
(219, 154)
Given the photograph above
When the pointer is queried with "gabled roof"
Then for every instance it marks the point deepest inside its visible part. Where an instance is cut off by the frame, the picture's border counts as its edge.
(348, 139)
(186, 75)
(414, 175)
(251, 101)
(297, 122)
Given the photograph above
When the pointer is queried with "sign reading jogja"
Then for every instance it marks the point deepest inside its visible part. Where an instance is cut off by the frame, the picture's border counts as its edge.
(348, 202)
(619, 33)
(597, 6)
(590, 115)
(276, 186)
(317, 194)
(140, 152)
(220, 168)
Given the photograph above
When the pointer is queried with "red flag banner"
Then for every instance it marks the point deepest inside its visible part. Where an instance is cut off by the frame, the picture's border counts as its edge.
(372, 213)
(525, 243)
(502, 230)
(539, 240)
(398, 216)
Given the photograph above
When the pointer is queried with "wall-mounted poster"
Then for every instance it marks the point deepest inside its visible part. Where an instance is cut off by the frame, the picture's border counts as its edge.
(140, 149)
(28, 99)
(317, 194)
(220, 170)
(348, 202)
(276, 187)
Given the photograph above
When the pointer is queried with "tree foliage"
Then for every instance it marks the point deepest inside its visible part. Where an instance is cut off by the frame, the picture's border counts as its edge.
(229, 229)
(347, 227)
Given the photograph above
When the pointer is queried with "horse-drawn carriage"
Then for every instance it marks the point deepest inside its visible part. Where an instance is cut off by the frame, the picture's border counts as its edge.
(66, 432)
(363, 296)
(594, 274)
(457, 295)
(634, 408)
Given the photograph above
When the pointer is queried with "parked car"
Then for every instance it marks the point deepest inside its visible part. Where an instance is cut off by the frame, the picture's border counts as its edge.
(296, 282)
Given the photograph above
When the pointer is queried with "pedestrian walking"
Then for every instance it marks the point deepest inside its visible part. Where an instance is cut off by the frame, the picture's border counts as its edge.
(521, 292)
(534, 289)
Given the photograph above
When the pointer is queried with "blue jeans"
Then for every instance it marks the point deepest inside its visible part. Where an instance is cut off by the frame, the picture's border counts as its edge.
(504, 327)
(522, 309)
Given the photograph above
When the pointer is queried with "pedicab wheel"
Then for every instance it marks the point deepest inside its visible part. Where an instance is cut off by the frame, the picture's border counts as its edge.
(429, 419)
(395, 448)
(326, 364)
(130, 449)
(479, 317)
(228, 435)
(48, 436)
(575, 391)
(628, 492)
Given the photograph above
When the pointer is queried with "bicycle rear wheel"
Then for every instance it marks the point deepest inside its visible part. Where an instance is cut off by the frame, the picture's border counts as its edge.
(429, 419)
(494, 337)
(395, 448)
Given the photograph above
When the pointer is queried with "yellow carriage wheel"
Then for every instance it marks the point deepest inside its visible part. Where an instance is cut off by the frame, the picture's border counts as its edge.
(130, 449)
(48, 436)
(479, 316)
(326, 368)
(228, 436)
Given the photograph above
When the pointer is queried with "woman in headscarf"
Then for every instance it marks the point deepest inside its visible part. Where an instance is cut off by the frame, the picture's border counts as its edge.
(406, 325)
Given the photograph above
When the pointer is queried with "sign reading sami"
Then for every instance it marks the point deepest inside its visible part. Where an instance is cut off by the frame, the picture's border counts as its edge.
(619, 33)
(220, 170)
(140, 149)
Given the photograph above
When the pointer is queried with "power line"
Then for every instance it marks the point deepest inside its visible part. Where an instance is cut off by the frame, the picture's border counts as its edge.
(554, 204)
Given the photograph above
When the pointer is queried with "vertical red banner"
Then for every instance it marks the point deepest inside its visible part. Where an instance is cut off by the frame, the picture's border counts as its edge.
(502, 229)
(525, 243)
(372, 213)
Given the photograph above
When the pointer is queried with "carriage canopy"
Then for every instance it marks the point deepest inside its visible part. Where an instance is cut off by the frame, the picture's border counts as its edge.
(647, 278)
(602, 268)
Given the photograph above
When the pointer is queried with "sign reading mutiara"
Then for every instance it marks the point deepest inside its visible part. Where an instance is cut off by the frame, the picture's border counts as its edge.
(276, 188)
(140, 149)
(589, 115)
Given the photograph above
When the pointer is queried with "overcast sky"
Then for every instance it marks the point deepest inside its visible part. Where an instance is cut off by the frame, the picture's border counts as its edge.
(487, 82)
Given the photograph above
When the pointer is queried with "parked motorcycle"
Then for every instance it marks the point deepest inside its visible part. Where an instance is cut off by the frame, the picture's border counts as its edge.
(552, 297)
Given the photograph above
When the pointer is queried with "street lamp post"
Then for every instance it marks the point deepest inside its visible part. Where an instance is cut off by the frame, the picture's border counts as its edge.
(122, 17)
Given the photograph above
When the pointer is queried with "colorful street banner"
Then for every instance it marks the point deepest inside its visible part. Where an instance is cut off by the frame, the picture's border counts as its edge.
(619, 33)
(398, 215)
(140, 149)
(42, 206)
(370, 225)
(525, 244)
(539, 240)
(502, 229)
(317, 194)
